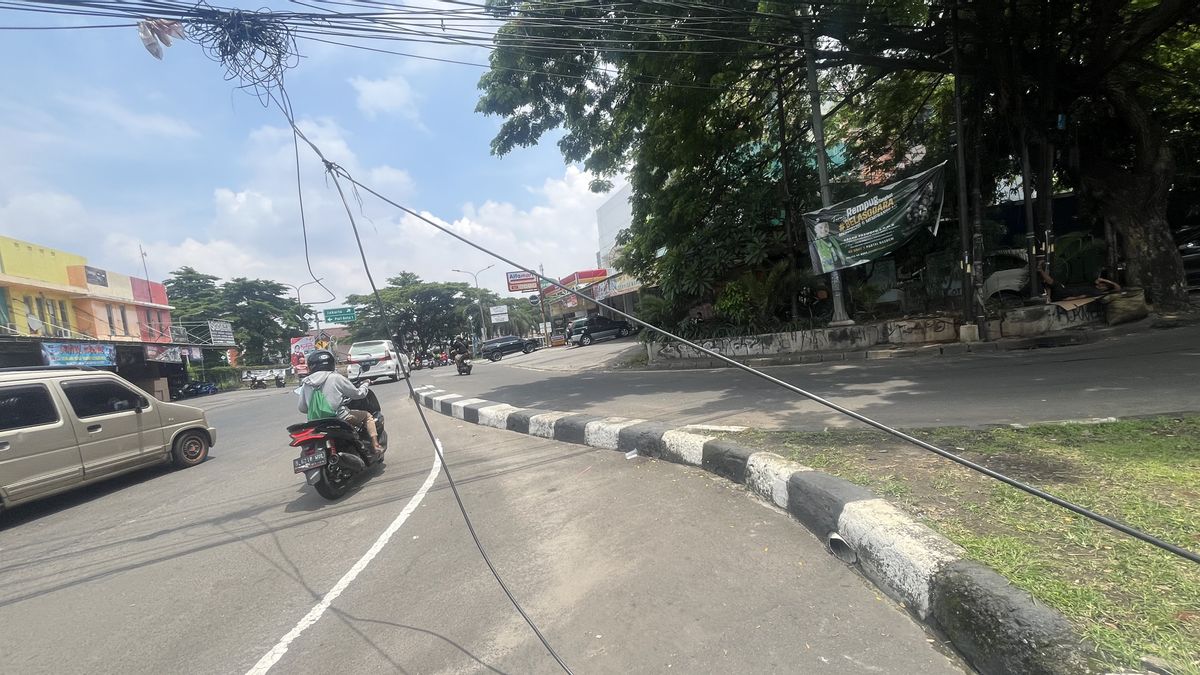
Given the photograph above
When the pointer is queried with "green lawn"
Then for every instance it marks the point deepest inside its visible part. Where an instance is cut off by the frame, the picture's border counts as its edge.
(1128, 597)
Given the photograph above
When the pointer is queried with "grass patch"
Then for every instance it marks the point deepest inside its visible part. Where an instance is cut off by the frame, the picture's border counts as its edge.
(1130, 598)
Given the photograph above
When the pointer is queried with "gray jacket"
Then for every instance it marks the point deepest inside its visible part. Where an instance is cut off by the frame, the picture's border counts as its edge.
(336, 387)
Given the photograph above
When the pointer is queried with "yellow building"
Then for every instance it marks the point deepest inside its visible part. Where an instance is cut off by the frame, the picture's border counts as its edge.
(37, 295)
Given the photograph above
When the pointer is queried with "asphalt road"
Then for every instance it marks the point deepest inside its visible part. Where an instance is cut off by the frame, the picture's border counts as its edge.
(627, 566)
(1154, 371)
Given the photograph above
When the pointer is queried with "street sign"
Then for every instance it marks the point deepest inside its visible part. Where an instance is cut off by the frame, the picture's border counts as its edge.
(535, 300)
(499, 309)
(521, 282)
(340, 315)
(500, 318)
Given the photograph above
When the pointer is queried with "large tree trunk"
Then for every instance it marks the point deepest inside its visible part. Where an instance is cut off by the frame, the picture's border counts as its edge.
(1131, 196)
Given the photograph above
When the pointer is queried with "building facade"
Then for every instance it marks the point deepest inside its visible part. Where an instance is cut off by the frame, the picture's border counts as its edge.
(55, 309)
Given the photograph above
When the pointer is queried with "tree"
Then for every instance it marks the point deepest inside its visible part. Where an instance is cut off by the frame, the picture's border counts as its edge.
(1093, 90)
(263, 318)
(432, 313)
(195, 296)
(262, 315)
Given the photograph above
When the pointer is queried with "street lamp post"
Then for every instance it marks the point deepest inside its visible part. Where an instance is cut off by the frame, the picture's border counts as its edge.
(483, 331)
(301, 304)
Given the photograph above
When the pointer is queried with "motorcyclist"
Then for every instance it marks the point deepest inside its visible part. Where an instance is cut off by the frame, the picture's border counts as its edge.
(338, 389)
(459, 349)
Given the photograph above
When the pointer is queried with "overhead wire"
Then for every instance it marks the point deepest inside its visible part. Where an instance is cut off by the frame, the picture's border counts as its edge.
(1028, 489)
(336, 172)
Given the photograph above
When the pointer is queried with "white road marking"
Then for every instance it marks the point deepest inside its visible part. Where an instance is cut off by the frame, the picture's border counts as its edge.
(272, 657)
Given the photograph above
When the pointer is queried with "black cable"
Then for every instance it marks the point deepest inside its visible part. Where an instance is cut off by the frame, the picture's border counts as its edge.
(1041, 494)
(303, 221)
(336, 172)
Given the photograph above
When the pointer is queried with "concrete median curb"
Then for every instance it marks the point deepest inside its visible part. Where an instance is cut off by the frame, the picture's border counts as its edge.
(997, 627)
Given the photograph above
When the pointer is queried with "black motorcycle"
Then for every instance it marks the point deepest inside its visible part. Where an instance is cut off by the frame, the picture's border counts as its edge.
(279, 382)
(332, 453)
(464, 366)
(256, 383)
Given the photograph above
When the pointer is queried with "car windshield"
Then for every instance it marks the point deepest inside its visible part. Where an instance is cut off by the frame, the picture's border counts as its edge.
(376, 347)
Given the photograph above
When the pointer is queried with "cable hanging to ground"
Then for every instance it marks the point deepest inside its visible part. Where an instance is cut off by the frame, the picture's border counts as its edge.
(337, 173)
(1024, 487)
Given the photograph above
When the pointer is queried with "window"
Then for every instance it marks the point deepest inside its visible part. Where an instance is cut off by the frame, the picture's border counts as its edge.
(62, 308)
(41, 309)
(110, 320)
(90, 398)
(124, 322)
(26, 406)
(162, 324)
(53, 307)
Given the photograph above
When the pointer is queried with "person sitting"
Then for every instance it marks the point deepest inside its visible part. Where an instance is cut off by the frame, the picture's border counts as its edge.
(337, 390)
(1060, 291)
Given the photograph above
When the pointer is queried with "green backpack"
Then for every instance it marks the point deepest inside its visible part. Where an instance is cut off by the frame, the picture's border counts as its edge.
(319, 408)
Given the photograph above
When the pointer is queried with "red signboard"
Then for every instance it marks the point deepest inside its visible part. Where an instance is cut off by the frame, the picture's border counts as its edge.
(521, 282)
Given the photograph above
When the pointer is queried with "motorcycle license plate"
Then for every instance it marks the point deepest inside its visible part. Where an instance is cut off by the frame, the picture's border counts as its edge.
(307, 462)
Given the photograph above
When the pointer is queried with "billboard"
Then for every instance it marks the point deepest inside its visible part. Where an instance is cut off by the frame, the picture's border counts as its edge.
(498, 309)
(500, 317)
(164, 353)
(95, 276)
(874, 224)
(521, 282)
(220, 333)
(93, 354)
(301, 346)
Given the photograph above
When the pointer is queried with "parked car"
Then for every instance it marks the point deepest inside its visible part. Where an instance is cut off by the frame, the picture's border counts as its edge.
(374, 359)
(496, 348)
(587, 330)
(1188, 239)
(63, 427)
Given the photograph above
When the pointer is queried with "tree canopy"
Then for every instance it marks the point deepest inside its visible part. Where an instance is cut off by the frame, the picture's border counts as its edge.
(427, 314)
(263, 317)
(704, 106)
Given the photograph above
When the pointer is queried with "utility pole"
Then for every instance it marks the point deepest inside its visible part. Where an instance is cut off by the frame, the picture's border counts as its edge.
(840, 318)
(542, 302)
(788, 218)
(300, 305)
(964, 234)
(483, 331)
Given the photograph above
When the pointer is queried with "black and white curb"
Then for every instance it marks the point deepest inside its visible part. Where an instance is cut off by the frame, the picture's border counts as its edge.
(997, 627)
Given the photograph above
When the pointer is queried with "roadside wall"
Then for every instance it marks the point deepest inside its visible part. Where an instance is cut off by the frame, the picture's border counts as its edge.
(1015, 323)
(845, 338)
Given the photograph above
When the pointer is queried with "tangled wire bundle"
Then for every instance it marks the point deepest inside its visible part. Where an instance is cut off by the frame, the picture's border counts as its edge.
(256, 48)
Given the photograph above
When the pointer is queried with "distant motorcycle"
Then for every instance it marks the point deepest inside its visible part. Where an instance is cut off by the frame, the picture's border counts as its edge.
(256, 383)
(464, 366)
(279, 382)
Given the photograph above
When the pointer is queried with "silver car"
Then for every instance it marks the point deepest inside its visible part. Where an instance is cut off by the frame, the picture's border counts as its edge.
(62, 427)
(374, 359)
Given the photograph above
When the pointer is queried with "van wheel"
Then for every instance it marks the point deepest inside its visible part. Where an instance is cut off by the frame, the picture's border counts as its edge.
(495, 356)
(190, 449)
(624, 332)
(585, 340)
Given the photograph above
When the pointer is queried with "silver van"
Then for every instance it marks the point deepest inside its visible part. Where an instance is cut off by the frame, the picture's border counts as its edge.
(61, 428)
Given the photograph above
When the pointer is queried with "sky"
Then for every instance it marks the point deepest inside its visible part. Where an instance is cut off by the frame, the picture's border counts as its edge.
(106, 149)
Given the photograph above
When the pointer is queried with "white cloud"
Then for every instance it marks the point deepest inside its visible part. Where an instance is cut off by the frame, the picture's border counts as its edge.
(253, 228)
(104, 107)
(393, 94)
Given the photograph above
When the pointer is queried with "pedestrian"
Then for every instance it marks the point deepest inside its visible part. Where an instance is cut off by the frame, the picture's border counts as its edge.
(1060, 291)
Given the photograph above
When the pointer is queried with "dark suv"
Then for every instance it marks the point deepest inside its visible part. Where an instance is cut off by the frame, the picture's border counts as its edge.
(496, 348)
(586, 331)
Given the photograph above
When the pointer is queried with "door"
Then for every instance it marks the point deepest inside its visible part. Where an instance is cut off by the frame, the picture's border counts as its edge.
(603, 328)
(38, 448)
(117, 427)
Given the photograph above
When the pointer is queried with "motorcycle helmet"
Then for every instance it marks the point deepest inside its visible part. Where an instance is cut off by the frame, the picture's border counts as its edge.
(321, 359)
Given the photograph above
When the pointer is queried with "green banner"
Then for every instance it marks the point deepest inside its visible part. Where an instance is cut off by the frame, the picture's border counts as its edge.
(874, 224)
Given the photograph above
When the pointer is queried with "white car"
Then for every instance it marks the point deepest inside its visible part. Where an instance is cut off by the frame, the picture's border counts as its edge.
(375, 359)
